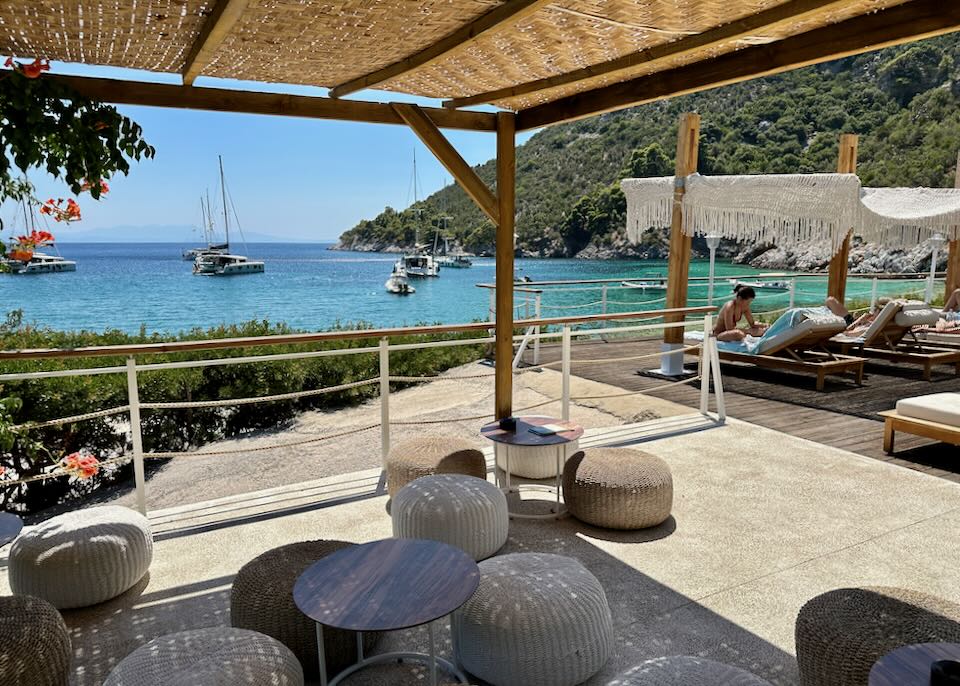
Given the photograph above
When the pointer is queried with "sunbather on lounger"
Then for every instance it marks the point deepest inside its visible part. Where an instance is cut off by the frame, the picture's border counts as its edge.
(855, 326)
(735, 310)
(950, 315)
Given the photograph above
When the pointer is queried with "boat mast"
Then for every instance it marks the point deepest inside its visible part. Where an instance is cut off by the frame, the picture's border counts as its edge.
(226, 215)
(209, 226)
(203, 222)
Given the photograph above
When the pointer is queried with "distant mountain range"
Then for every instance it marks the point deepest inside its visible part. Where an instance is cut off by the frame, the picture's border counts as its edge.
(174, 233)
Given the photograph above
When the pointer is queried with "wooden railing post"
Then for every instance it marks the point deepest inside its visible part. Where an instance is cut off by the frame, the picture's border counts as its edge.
(837, 276)
(136, 435)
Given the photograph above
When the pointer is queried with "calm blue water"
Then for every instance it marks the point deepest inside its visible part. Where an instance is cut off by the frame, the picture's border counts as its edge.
(127, 285)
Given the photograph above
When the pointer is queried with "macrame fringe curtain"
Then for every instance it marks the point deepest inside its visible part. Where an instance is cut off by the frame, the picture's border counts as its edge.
(789, 208)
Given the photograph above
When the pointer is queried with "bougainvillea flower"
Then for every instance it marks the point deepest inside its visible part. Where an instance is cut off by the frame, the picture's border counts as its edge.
(81, 464)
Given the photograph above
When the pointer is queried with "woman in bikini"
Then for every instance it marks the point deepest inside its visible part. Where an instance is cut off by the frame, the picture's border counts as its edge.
(735, 310)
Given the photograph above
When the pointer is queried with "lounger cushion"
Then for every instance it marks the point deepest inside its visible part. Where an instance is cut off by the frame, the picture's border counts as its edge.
(814, 322)
(883, 318)
(943, 408)
(921, 316)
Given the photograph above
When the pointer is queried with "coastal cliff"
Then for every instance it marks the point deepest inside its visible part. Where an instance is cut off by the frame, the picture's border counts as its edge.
(904, 102)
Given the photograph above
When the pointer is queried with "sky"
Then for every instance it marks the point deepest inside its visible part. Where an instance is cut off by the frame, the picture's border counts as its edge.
(290, 178)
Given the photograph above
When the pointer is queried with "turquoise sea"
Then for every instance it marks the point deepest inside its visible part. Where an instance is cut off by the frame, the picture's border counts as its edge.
(126, 285)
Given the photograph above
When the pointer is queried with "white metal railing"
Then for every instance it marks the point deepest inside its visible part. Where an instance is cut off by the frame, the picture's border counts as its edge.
(534, 333)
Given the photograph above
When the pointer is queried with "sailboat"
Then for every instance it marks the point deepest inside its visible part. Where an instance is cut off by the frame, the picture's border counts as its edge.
(206, 221)
(456, 260)
(420, 263)
(225, 263)
(34, 262)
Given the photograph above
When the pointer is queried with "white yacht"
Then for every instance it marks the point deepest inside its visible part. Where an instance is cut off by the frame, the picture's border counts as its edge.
(457, 261)
(226, 265)
(398, 283)
(420, 264)
(206, 222)
(218, 260)
(41, 263)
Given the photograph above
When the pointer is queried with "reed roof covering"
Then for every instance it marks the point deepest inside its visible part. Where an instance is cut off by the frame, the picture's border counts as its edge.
(516, 54)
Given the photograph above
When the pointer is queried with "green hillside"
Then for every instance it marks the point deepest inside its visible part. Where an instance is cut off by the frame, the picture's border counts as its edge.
(902, 101)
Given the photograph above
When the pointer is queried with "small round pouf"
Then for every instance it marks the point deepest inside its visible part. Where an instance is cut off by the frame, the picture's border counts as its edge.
(534, 462)
(841, 633)
(535, 620)
(463, 511)
(261, 599)
(618, 488)
(209, 657)
(426, 455)
(34, 643)
(82, 558)
(684, 670)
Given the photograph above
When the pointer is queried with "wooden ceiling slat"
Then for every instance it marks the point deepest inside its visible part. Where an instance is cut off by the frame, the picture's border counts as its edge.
(512, 11)
(748, 26)
(902, 23)
(225, 14)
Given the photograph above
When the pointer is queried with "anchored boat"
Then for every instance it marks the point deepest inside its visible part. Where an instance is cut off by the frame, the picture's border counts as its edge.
(398, 284)
(41, 263)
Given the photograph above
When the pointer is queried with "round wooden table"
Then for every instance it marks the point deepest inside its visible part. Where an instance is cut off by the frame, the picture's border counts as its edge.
(10, 527)
(522, 437)
(910, 665)
(386, 586)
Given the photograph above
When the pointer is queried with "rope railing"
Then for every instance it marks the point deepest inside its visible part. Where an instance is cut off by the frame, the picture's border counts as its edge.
(71, 419)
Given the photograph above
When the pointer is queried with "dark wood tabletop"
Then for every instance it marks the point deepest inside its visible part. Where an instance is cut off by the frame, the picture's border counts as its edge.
(910, 665)
(386, 585)
(522, 436)
(10, 527)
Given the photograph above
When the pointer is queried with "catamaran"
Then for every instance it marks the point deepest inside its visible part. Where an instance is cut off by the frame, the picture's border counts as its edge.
(206, 221)
(225, 263)
(41, 263)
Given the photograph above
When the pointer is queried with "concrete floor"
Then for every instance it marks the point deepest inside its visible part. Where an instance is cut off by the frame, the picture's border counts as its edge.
(761, 523)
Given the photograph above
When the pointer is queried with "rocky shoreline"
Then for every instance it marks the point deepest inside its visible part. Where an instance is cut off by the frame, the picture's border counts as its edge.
(804, 257)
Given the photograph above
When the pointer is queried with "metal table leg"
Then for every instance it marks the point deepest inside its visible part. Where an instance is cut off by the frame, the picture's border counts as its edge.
(323, 659)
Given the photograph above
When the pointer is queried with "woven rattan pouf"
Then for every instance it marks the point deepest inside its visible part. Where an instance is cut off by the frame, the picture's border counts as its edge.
(684, 670)
(463, 511)
(34, 643)
(618, 488)
(82, 558)
(841, 633)
(209, 657)
(425, 455)
(535, 620)
(262, 600)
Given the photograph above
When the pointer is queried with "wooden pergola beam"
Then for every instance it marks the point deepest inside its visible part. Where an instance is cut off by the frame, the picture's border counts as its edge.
(217, 25)
(509, 12)
(435, 141)
(773, 18)
(903, 23)
(248, 102)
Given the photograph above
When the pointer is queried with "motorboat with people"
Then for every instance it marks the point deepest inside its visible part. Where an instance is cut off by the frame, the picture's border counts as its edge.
(398, 283)
(217, 260)
(40, 263)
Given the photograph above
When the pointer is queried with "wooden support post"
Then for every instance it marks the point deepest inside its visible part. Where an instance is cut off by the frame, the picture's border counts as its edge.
(953, 256)
(678, 266)
(837, 276)
(506, 189)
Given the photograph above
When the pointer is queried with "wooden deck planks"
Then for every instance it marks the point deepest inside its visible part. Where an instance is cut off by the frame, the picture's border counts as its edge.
(848, 432)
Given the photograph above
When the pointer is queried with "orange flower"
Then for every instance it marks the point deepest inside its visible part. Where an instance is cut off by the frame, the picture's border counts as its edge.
(32, 70)
(81, 465)
(21, 255)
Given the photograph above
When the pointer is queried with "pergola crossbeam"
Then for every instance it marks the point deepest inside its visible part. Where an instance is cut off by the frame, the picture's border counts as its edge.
(509, 12)
(902, 23)
(222, 18)
(435, 141)
(748, 26)
(120, 92)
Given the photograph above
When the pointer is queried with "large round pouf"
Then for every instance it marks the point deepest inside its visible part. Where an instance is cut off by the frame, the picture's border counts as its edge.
(262, 600)
(209, 657)
(841, 633)
(685, 670)
(463, 511)
(82, 558)
(34, 643)
(535, 620)
(426, 455)
(618, 488)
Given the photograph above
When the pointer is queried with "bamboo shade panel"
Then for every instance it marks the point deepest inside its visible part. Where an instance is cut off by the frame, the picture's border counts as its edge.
(329, 42)
(155, 35)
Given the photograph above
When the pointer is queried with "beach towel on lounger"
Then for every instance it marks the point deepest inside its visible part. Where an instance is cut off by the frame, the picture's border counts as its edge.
(784, 326)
